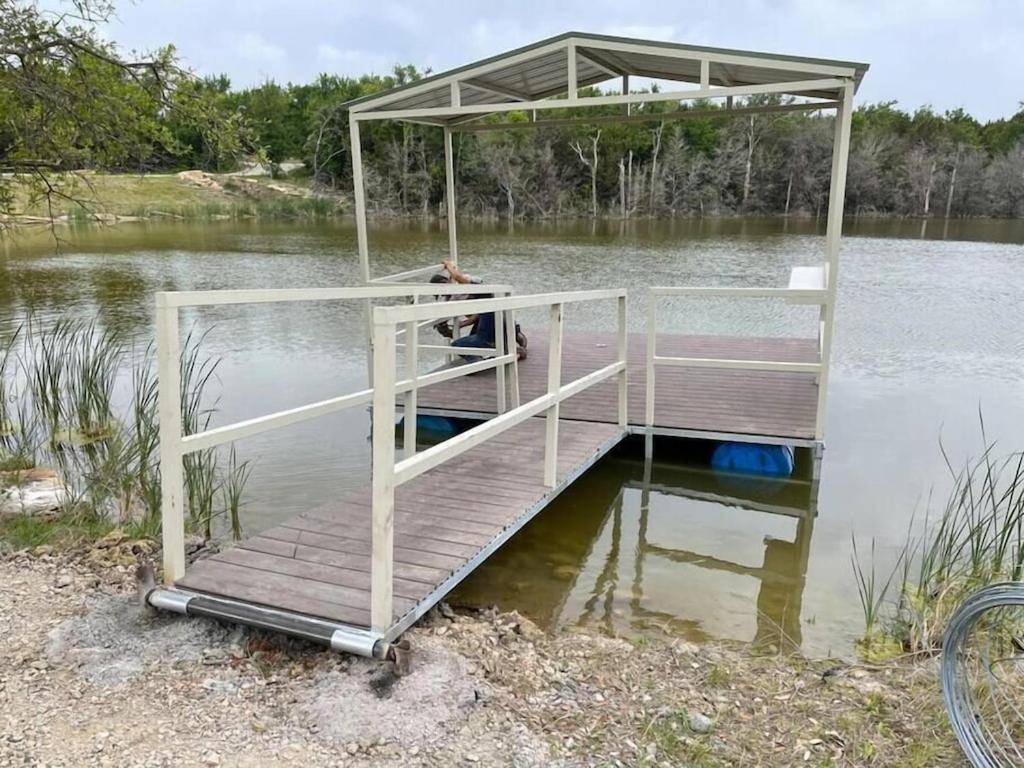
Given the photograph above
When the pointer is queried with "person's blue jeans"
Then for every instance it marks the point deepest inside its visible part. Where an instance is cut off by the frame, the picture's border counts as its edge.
(473, 340)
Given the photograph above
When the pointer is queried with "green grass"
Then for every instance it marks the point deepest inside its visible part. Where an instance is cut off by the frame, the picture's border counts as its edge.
(65, 531)
(676, 743)
(162, 196)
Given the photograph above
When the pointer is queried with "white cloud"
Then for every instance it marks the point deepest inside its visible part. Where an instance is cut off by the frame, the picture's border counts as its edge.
(253, 47)
(350, 61)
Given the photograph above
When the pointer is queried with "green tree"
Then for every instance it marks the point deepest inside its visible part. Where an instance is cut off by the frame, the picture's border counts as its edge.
(70, 101)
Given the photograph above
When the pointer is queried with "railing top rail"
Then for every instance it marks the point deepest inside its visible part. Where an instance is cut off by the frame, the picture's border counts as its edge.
(400, 276)
(432, 311)
(750, 293)
(281, 295)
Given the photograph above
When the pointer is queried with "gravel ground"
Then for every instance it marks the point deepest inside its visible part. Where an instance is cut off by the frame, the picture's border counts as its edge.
(88, 677)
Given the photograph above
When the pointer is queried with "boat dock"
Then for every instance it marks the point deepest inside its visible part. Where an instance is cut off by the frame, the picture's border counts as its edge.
(358, 572)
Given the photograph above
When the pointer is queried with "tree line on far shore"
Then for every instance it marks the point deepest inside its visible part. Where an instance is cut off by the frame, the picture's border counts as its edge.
(75, 102)
(919, 163)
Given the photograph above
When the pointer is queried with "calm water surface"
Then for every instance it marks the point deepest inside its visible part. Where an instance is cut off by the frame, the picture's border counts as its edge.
(928, 331)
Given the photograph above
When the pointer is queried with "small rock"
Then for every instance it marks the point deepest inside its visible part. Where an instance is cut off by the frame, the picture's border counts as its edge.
(700, 723)
(211, 758)
(63, 580)
(352, 747)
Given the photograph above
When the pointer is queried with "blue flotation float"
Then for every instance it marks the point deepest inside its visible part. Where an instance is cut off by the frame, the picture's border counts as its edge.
(753, 459)
(434, 427)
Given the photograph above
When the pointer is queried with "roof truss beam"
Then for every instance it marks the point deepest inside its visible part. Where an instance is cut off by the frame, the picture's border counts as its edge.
(648, 117)
(496, 90)
(602, 60)
(828, 86)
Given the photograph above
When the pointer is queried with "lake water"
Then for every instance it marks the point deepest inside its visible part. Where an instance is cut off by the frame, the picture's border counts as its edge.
(928, 331)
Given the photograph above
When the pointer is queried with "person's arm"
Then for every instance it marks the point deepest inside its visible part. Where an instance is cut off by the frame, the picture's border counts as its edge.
(457, 274)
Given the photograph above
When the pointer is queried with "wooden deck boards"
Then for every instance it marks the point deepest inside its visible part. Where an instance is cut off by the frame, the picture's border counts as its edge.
(756, 403)
(318, 563)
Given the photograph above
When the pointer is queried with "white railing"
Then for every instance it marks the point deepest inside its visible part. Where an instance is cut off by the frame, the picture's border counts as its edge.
(389, 474)
(795, 295)
(174, 446)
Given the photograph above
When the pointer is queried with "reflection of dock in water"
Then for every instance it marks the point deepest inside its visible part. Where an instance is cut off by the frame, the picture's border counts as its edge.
(604, 554)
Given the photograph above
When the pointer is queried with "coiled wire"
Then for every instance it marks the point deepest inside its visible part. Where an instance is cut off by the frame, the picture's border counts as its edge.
(983, 676)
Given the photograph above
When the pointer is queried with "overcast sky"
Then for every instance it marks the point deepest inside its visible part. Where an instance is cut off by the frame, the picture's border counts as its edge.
(947, 53)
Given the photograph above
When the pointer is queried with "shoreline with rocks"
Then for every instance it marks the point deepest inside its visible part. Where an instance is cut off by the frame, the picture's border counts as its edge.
(87, 676)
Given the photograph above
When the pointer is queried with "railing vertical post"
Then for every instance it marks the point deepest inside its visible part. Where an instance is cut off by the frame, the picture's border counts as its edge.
(623, 355)
(411, 372)
(554, 384)
(383, 509)
(499, 348)
(172, 480)
(652, 330)
(510, 344)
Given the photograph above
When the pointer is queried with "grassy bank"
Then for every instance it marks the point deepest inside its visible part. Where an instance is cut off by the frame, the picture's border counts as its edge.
(975, 539)
(87, 197)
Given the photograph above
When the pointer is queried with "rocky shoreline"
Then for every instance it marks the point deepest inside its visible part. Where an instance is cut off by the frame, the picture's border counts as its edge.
(87, 676)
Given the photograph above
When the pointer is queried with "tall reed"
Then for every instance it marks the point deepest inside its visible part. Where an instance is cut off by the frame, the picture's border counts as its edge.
(59, 380)
(976, 539)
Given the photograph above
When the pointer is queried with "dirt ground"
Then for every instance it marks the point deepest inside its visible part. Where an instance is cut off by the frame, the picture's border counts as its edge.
(88, 677)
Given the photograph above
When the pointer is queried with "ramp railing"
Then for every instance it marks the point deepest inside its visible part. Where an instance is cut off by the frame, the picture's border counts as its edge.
(174, 445)
(388, 474)
(795, 295)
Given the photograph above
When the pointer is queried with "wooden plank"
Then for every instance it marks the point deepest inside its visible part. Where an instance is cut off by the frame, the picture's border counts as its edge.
(340, 530)
(270, 589)
(344, 580)
(357, 562)
(331, 543)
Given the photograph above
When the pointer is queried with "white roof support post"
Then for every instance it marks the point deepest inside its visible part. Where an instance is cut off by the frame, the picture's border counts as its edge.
(360, 197)
(705, 74)
(449, 181)
(833, 238)
(573, 88)
(359, 193)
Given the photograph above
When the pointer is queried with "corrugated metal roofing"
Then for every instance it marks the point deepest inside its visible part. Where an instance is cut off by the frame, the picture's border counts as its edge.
(539, 71)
